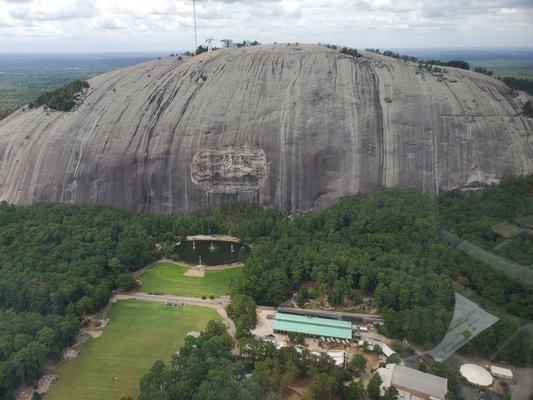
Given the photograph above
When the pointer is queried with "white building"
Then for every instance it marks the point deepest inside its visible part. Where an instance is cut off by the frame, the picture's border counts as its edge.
(476, 374)
(502, 373)
(412, 384)
(338, 357)
(385, 349)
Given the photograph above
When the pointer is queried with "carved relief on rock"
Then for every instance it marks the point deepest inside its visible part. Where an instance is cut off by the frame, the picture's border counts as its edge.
(229, 169)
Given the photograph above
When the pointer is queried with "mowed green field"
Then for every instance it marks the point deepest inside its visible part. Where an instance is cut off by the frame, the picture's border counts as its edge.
(167, 278)
(138, 334)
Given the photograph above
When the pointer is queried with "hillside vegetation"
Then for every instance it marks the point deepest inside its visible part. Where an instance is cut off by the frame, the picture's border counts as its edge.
(60, 262)
(473, 216)
(63, 98)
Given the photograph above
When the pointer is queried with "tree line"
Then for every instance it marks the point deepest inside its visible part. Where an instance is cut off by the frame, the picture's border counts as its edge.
(523, 84)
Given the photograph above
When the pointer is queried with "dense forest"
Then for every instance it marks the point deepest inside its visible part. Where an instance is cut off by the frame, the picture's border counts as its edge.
(57, 263)
(206, 369)
(60, 262)
(518, 83)
(473, 215)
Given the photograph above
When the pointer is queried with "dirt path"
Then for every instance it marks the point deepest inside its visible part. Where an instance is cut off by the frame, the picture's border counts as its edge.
(220, 238)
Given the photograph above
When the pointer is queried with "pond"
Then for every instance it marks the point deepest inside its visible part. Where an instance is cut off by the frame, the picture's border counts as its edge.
(211, 252)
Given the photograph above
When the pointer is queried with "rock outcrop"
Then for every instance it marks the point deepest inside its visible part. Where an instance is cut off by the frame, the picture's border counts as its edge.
(292, 127)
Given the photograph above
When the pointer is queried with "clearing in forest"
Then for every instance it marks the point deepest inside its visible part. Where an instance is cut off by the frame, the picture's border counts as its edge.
(138, 334)
(169, 278)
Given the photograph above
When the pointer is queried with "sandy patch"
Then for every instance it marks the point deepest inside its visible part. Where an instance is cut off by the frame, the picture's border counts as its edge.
(195, 272)
(264, 325)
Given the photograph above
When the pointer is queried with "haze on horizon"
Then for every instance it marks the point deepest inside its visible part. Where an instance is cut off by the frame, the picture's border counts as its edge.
(140, 25)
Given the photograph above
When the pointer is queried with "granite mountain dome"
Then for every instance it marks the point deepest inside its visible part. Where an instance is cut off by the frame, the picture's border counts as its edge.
(293, 127)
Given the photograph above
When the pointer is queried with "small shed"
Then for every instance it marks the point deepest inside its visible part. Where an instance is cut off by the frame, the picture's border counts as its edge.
(385, 349)
(502, 373)
(338, 357)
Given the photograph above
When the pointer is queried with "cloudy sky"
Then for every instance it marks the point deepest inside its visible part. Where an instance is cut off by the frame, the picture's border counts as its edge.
(140, 25)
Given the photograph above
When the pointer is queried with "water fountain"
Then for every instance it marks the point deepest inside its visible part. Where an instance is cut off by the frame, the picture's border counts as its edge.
(212, 252)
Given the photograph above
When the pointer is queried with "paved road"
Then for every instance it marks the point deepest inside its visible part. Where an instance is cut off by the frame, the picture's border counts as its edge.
(217, 304)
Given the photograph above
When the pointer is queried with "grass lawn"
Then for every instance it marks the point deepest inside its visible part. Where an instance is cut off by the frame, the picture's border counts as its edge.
(138, 334)
(167, 278)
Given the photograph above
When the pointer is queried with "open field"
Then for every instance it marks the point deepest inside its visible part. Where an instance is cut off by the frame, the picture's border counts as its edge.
(138, 334)
(167, 278)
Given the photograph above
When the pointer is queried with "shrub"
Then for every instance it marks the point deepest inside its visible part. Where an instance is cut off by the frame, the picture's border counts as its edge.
(63, 98)
(242, 311)
(350, 52)
(296, 337)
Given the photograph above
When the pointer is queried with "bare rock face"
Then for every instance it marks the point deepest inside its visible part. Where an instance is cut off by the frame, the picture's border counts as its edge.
(292, 127)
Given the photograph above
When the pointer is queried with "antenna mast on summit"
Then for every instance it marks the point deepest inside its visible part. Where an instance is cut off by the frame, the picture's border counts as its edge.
(195, 36)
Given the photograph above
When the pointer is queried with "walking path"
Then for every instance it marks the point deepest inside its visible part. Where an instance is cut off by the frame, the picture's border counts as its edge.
(219, 238)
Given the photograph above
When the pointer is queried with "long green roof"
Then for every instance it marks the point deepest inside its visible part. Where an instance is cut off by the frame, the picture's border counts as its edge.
(313, 326)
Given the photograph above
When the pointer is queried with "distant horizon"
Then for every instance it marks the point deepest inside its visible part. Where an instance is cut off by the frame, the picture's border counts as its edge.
(169, 51)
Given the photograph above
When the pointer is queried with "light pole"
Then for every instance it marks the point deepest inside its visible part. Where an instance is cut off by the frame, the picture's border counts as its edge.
(195, 37)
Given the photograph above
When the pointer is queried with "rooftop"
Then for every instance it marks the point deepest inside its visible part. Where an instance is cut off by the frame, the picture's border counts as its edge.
(505, 372)
(414, 380)
(313, 326)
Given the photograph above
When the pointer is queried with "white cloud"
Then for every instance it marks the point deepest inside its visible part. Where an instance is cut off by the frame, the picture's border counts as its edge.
(109, 23)
(55, 10)
(100, 25)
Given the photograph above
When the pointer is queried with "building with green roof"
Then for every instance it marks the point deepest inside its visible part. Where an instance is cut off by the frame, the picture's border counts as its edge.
(312, 326)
